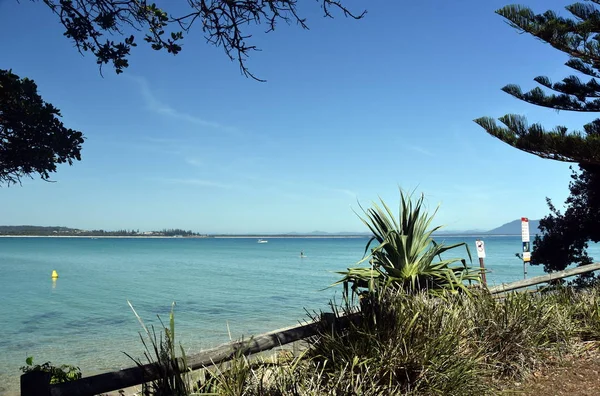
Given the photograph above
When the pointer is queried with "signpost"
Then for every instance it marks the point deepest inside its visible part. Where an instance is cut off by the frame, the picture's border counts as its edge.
(526, 248)
(481, 254)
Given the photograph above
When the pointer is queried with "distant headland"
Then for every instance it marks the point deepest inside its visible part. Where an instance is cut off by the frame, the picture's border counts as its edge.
(509, 229)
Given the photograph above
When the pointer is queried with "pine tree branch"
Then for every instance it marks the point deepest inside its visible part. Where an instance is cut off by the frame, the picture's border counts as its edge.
(584, 12)
(572, 85)
(557, 144)
(584, 67)
(575, 38)
(559, 102)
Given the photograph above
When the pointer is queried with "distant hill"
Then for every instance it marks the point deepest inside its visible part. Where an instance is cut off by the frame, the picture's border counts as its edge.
(514, 228)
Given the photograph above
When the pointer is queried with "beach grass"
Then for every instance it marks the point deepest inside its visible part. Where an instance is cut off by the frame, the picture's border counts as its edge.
(420, 344)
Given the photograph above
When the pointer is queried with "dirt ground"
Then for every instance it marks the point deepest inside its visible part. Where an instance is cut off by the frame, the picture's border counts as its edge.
(575, 375)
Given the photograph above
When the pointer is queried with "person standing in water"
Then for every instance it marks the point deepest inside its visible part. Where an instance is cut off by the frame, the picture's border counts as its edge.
(302, 253)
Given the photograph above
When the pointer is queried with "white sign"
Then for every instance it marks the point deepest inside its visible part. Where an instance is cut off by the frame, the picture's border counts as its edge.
(480, 249)
(526, 257)
(524, 229)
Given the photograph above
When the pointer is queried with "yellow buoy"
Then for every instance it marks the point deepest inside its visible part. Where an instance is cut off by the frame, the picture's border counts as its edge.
(54, 274)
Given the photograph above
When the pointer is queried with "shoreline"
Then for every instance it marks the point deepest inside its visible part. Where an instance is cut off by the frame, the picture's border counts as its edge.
(258, 236)
(101, 236)
(288, 236)
(190, 237)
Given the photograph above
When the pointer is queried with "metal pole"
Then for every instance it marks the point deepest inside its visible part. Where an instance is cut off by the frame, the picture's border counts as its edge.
(526, 252)
(526, 257)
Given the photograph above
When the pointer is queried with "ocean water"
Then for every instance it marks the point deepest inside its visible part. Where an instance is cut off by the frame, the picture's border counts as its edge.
(223, 288)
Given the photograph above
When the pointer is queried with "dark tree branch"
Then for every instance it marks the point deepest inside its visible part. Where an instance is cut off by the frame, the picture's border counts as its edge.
(222, 21)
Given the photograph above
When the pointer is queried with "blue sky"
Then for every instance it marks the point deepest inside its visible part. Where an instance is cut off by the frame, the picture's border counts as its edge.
(351, 110)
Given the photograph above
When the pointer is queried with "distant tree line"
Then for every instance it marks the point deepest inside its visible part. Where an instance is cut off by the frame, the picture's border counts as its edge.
(33, 230)
(54, 231)
(178, 231)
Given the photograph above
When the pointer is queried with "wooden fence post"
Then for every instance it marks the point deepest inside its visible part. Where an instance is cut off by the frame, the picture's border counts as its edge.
(35, 383)
(328, 318)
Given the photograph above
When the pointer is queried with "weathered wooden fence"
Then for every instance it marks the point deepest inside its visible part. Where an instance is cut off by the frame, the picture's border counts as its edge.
(536, 280)
(37, 383)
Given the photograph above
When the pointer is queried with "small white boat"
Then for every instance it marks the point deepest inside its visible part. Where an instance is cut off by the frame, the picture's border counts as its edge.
(262, 241)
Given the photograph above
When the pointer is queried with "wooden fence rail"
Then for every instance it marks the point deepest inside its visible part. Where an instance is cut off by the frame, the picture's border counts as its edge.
(38, 383)
(544, 278)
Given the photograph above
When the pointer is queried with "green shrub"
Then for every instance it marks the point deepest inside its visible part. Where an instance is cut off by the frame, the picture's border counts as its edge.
(408, 343)
(58, 374)
(514, 331)
(583, 307)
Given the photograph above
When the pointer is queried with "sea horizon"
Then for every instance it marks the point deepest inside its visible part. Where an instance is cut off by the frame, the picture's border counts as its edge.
(251, 236)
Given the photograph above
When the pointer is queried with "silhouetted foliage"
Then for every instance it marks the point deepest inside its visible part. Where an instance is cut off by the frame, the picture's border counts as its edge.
(33, 140)
(223, 22)
(565, 235)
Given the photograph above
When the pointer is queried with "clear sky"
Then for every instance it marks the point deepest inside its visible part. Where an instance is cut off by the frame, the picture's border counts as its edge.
(351, 110)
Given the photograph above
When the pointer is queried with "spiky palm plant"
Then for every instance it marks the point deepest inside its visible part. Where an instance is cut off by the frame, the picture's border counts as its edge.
(406, 256)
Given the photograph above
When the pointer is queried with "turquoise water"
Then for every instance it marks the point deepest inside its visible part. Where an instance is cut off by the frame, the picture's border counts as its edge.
(218, 284)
